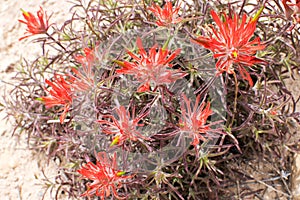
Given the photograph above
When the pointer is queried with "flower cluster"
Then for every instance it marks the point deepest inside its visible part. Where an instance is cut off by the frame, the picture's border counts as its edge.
(151, 69)
(156, 71)
(65, 87)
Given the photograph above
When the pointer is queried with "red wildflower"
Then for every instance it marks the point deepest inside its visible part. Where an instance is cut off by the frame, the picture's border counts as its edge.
(193, 121)
(59, 95)
(124, 128)
(105, 176)
(84, 80)
(35, 25)
(88, 59)
(167, 15)
(231, 43)
(80, 81)
(152, 68)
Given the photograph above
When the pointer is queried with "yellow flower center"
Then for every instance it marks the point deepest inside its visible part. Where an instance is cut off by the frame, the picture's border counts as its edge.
(234, 54)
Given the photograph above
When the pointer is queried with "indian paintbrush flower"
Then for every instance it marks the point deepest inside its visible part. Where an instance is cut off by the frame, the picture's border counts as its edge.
(87, 59)
(193, 120)
(60, 94)
(167, 15)
(231, 43)
(123, 127)
(35, 25)
(151, 68)
(105, 176)
(83, 78)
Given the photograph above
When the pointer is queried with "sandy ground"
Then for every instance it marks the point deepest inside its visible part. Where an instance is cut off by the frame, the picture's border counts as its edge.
(294, 87)
(21, 177)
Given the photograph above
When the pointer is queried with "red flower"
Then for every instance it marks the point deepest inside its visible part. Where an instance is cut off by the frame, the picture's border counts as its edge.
(59, 95)
(124, 128)
(84, 80)
(34, 25)
(167, 15)
(193, 121)
(80, 81)
(231, 43)
(88, 59)
(152, 68)
(105, 176)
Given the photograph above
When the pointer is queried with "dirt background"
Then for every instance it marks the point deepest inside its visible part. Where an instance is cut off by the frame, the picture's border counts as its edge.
(21, 176)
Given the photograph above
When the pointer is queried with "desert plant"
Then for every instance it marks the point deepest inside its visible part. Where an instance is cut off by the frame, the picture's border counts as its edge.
(162, 100)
